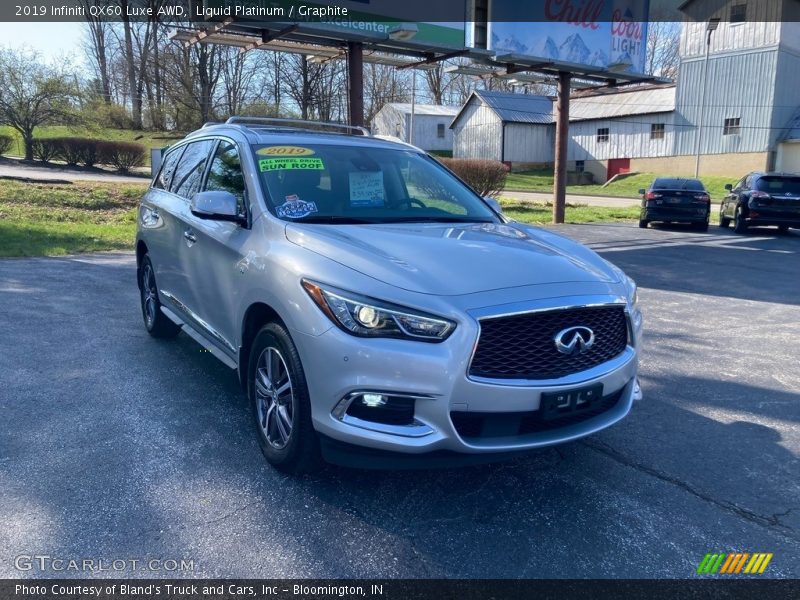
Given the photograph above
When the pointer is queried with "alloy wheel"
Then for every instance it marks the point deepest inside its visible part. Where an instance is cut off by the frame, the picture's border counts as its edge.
(274, 398)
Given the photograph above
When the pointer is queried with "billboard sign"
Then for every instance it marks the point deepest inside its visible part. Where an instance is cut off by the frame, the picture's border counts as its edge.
(368, 18)
(606, 34)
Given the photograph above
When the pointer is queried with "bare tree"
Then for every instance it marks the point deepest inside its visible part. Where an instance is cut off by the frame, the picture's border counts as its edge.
(97, 47)
(33, 94)
(384, 84)
(663, 52)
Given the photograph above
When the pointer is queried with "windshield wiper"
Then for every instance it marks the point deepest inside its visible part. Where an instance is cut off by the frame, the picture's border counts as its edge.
(422, 219)
(337, 219)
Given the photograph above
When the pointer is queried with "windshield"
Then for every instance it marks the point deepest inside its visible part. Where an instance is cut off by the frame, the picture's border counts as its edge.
(779, 185)
(348, 184)
(692, 185)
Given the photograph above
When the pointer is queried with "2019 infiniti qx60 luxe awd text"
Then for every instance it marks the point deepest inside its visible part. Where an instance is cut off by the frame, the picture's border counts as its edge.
(377, 310)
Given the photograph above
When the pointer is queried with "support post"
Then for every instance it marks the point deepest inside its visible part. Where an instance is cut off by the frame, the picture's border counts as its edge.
(562, 141)
(355, 76)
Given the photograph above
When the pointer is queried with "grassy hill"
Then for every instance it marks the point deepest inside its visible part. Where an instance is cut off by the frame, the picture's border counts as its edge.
(149, 139)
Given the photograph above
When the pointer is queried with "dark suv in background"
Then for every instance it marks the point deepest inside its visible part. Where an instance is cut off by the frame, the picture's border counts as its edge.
(762, 199)
(675, 200)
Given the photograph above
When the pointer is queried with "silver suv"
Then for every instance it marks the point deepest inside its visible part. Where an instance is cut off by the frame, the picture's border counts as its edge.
(377, 310)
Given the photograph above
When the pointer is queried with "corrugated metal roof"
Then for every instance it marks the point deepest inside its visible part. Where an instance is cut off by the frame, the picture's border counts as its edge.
(518, 108)
(622, 104)
(425, 109)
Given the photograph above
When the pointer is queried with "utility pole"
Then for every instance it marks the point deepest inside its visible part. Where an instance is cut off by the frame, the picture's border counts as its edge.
(410, 136)
(562, 141)
(710, 28)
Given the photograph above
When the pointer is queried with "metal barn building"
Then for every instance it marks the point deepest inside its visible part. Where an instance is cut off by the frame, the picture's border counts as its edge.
(431, 124)
(741, 102)
(515, 128)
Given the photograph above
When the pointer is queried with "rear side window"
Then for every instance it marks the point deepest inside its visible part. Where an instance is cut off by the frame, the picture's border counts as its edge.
(692, 185)
(168, 168)
(225, 173)
(779, 185)
(189, 172)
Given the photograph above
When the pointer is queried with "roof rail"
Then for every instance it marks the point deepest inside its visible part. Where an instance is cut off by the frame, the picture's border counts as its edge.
(299, 123)
(210, 124)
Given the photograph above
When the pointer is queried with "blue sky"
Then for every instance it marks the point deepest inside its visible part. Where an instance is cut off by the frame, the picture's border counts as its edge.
(51, 40)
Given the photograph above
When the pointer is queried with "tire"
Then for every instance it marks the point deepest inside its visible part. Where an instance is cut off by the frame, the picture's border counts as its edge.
(701, 226)
(156, 322)
(739, 224)
(783, 229)
(282, 420)
(724, 222)
(643, 223)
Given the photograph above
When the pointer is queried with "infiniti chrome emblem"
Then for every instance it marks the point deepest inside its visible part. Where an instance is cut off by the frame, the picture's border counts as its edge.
(574, 340)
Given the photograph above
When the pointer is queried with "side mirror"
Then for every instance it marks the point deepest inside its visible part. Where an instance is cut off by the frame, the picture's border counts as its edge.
(728, 187)
(216, 206)
(642, 191)
(494, 204)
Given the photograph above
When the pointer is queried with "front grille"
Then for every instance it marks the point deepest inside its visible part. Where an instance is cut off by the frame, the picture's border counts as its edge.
(523, 346)
(478, 425)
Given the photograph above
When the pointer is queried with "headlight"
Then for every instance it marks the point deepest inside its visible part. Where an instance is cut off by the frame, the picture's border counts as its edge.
(633, 305)
(368, 317)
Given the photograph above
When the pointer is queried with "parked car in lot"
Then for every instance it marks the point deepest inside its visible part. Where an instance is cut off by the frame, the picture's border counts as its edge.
(675, 200)
(376, 309)
(762, 199)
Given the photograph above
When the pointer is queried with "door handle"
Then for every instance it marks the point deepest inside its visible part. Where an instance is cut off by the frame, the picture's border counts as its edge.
(190, 237)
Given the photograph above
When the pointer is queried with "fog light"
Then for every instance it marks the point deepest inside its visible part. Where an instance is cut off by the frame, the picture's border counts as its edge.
(373, 400)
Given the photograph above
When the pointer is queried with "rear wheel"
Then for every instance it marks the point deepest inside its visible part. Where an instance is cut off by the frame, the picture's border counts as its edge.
(701, 226)
(783, 228)
(643, 223)
(280, 402)
(739, 224)
(156, 322)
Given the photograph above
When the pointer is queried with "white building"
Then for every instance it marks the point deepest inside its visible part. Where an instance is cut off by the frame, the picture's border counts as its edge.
(742, 104)
(431, 124)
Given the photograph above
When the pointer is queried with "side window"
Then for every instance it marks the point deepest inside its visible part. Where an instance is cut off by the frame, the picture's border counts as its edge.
(740, 184)
(168, 168)
(225, 173)
(189, 172)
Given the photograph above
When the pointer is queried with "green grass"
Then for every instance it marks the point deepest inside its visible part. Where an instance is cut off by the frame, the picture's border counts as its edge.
(542, 213)
(149, 139)
(51, 220)
(542, 181)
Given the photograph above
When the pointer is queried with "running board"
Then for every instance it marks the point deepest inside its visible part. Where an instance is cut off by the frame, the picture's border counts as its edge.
(199, 338)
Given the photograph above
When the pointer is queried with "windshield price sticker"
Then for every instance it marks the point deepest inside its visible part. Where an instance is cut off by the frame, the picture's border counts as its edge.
(294, 208)
(366, 188)
(284, 151)
(285, 164)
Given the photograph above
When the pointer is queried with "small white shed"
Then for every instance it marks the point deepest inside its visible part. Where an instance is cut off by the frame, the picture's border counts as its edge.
(431, 124)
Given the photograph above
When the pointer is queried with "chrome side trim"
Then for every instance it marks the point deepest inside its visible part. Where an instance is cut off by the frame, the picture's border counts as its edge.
(549, 305)
(195, 319)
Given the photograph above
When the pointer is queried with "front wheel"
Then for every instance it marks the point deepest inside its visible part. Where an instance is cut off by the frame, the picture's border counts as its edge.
(156, 322)
(724, 221)
(739, 224)
(280, 402)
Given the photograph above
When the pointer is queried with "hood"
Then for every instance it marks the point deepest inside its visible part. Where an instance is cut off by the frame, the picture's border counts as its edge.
(454, 259)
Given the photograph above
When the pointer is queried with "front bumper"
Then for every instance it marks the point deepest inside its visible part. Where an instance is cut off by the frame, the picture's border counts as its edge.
(338, 364)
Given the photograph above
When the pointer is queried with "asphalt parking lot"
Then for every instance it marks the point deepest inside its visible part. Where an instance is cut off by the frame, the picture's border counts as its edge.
(114, 445)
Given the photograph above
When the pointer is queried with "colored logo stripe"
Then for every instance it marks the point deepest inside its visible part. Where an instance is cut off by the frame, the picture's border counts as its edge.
(734, 562)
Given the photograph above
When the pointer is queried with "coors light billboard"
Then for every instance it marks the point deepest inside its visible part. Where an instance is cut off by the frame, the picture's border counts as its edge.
(608, 34)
